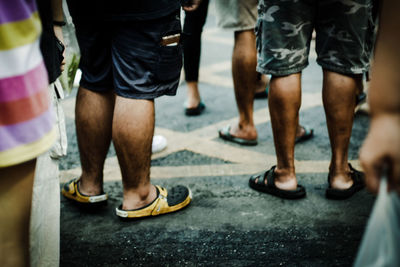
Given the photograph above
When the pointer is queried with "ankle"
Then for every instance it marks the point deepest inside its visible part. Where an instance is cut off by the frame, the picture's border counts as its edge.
(285, 173)
(245, 132)
(340, 180)
(192, 102)
(339, 168)
(193, 90)
(193, 96)
(339, 176)
(285, 179)
(90, 187)
(139, 197)
(193, 85)
(247, 127)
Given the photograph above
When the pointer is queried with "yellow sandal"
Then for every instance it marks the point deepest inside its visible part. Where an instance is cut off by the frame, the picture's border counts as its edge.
(178, 198)
(71, 190)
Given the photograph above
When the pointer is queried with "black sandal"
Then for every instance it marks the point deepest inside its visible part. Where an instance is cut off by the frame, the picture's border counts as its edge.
(339, 194)
(196, 110)
(270, 187)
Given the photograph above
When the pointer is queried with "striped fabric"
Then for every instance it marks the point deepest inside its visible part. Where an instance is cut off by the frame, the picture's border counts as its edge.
(26, 121)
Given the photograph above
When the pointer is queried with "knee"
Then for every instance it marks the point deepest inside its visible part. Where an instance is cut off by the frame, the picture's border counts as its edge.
(285, 88)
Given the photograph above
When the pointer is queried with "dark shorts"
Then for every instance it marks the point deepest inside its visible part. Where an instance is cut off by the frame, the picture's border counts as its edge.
(344, 41)
(129, 58)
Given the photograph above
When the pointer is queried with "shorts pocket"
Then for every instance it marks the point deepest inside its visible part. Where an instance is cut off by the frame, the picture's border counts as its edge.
(170, 63)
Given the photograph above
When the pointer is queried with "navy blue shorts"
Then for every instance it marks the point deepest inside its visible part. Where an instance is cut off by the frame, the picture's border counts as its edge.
(129, 56)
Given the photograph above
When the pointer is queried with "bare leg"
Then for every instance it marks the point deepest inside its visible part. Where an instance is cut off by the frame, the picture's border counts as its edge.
(244, 61)
(284, 104)
(16, 185)
(339, 93)
(262, 83)
(193, 95)
(133, 129)
(94, 113)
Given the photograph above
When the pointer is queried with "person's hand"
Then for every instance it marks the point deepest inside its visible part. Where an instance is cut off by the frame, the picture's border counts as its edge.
(58, 33)
(192, 5)
(381, 152)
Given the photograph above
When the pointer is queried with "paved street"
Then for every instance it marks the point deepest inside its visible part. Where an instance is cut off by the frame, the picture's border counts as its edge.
(227, 224)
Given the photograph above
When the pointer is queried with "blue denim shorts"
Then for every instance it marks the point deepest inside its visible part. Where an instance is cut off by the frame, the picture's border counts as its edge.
(129, 57)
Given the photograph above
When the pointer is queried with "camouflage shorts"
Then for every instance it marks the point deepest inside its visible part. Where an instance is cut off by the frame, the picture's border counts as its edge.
(344, 41)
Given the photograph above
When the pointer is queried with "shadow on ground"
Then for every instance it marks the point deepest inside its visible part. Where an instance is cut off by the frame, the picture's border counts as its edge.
(227, 224)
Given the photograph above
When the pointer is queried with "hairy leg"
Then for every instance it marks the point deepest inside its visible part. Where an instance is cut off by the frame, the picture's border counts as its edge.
(339, 94)
(16, 185)
(284, 104)
(94, 113)
(245, 79)
(133, 129)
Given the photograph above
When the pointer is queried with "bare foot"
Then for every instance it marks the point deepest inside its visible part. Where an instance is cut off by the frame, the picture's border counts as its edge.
(89, 189)
(341, 181)
(284, 180)
(244, 132)
(139, 198)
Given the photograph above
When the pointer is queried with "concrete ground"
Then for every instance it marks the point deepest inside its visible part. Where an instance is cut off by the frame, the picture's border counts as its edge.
(227, 224)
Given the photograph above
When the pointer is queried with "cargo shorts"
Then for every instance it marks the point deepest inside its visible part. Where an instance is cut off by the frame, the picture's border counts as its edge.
(130, 57)
(344, 35)
(236, 15)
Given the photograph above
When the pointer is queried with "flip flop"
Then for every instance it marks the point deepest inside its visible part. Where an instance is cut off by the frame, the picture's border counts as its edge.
(270, 187)
(339, 194)
(226, 135)
(71, 191)
(195, 111)
(165, 202)
(308, 133)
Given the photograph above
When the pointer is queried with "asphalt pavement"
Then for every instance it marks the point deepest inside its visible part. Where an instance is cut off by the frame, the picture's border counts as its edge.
(227, 224)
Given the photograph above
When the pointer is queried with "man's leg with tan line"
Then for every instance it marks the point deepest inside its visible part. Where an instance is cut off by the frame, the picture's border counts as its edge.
(339, 94)
(133, 129)
(94, 113)
(284, 104)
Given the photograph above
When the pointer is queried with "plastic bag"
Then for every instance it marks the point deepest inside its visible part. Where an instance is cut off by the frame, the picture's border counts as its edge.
(72, 52)
(381, 241)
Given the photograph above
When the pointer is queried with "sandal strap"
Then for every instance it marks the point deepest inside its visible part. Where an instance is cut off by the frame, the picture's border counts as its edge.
(357, 176)
(260, 178)
(270, 175)
(71, 190)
